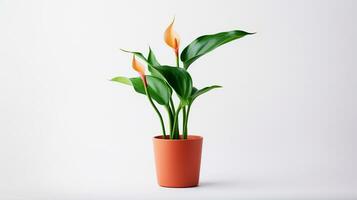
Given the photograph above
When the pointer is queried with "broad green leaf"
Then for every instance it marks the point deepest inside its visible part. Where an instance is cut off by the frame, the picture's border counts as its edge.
(152, 61)
(207, 43)
(179, 79)
(158, 89)
(195, 92)
(152, 58)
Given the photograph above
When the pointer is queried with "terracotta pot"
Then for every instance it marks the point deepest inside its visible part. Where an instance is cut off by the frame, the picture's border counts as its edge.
(178, 161)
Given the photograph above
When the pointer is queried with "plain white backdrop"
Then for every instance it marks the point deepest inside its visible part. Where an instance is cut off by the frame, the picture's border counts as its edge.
(282, 127)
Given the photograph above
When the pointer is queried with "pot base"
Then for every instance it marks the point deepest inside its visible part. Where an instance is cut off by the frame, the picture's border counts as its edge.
(188, 186)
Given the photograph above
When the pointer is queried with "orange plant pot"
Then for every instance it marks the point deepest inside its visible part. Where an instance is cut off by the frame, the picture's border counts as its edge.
(178, 161)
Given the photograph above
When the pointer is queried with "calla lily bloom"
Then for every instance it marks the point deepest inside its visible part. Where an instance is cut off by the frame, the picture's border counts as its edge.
(137, 66)
(172, 38)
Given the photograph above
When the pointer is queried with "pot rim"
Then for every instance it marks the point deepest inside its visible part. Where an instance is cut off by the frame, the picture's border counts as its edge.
(189, 138)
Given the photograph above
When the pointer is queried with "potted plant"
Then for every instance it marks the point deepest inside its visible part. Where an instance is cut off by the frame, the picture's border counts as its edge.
(177, 154)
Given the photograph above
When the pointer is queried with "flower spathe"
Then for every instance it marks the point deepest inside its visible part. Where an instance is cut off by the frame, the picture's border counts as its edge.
(172, 39)
(137, 66)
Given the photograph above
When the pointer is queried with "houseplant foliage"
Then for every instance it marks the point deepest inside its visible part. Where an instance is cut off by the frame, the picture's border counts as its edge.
(164, 82)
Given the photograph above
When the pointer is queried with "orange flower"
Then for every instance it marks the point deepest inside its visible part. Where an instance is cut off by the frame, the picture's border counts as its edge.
(172, 38)
(137, 66)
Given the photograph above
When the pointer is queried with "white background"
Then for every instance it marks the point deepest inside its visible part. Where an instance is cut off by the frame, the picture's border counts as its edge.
(282, 127)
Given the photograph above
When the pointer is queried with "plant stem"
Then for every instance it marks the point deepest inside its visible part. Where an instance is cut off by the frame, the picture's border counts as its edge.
(157, 111)
(177, 61)
(177, 129)
(175, 132)
(172, 106)
(171, 117)
(184, 120)
(175, 135)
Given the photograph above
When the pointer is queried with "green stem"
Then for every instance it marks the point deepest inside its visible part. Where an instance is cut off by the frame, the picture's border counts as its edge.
(171, 117)
(177, 61)
(186, 122)
(172, 106)
(174, 134)
(157, 111)
(184, 127)
(177, 129)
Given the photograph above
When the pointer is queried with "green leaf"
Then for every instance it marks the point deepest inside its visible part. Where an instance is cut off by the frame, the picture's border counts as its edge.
(195, 92)
(207, 43)
(152, 61)
(136, 53)
(152, 58)
(179, 79)
(122, 79)
(158, 89)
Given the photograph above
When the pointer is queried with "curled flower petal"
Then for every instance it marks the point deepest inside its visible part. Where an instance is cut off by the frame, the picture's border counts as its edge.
(137, 66)
(172, 38)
